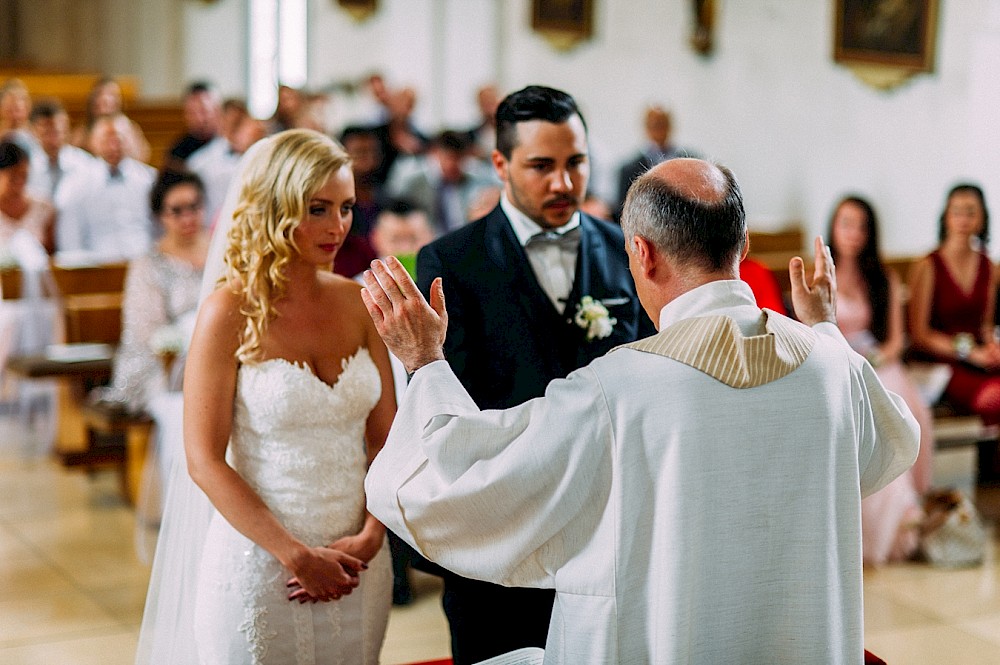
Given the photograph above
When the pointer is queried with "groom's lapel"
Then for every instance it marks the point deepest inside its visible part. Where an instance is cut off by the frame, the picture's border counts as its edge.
(514, 268)
(583, 280)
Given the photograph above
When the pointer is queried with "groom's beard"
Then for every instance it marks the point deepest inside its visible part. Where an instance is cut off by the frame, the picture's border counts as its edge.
(560, 208)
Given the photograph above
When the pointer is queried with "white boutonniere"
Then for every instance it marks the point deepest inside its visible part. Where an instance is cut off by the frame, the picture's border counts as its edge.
(593, 316)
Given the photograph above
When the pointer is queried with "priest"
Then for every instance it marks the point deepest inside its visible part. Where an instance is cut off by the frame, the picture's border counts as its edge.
(693, 497)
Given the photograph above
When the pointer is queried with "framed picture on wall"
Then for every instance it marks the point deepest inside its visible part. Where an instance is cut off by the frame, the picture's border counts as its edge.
(896, 33)
(571, 18)
(359, 9)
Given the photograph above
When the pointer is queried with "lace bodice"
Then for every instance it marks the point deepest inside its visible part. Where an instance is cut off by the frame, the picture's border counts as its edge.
(299, 443)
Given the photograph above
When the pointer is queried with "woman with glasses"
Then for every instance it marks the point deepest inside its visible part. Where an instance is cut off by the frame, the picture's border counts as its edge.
(161, 296)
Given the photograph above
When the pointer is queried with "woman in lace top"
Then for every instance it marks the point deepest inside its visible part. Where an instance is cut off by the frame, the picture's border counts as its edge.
(161, 295)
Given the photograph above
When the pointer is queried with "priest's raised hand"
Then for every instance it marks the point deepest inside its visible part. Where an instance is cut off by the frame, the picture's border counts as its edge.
(411, 328)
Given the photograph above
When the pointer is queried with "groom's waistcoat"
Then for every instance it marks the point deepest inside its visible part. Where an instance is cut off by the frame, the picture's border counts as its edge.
(506, 340)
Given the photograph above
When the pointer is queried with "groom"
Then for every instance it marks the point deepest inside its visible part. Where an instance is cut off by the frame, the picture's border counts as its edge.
(535, 290)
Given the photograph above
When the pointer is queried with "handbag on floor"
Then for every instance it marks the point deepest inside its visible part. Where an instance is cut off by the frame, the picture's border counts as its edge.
(952, 534)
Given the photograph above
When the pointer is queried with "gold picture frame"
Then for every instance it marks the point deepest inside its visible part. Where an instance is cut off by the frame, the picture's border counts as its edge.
(563, 23)
(898, 34)
(360, 10)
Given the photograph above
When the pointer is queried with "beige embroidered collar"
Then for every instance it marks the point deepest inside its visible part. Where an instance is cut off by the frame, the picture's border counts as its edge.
(714, 345)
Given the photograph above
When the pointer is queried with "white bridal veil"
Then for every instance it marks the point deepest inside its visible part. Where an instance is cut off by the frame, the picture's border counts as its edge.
(167, 633)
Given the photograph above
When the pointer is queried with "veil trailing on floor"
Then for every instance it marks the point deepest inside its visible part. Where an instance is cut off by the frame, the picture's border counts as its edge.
(167, 633)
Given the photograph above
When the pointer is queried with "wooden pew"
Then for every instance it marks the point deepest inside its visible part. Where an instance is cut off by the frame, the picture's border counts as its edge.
(92, 298)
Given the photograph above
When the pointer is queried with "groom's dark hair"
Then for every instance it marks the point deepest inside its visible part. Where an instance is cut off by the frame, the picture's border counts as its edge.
(535, 102)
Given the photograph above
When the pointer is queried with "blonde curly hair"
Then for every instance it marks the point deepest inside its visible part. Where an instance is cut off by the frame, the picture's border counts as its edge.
(274, 195)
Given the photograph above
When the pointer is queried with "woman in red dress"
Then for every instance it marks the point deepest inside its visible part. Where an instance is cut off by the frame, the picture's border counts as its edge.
(952, 301)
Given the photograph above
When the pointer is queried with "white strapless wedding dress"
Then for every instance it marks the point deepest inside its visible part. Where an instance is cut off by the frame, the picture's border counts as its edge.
(299, 443)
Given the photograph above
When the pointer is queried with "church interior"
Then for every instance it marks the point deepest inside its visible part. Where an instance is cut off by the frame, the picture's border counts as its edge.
(803, 110)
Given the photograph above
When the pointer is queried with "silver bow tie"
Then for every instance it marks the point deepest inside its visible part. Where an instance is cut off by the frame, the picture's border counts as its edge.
(568, 240)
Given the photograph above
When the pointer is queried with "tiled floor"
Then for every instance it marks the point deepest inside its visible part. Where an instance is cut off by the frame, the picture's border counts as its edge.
(72, 589)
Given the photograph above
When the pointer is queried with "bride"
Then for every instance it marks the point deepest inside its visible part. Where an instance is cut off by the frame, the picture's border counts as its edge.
(284, 407)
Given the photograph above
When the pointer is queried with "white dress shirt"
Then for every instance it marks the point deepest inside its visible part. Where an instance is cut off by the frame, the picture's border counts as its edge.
(679, 517)
(46, 177)
(554, 264)
(215, 163)
(106, 216)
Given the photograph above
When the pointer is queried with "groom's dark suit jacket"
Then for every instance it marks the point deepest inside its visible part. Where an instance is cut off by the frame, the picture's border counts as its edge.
(506, 342)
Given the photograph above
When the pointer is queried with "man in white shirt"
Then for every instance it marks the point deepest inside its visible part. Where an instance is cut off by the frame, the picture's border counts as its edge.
(217, 161)
(105, 208)
(693, 497)
(56, 161)
(447, 181)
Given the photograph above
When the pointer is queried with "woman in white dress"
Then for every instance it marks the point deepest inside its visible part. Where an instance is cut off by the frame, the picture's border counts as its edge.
(287, 397)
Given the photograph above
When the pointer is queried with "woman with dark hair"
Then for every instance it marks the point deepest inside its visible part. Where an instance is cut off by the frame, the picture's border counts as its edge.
(18, 209)
(105, 98)
(952, 301)
(161, 295)
(870, 314)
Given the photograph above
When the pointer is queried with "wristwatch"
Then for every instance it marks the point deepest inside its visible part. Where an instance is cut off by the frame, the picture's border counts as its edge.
(963, 343)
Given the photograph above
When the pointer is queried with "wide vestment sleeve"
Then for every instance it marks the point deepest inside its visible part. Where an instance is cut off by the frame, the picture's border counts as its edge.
(888, 434)
(504, 496)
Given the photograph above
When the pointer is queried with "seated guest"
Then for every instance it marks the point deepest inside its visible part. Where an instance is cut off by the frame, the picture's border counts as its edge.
(56, 159)
(290, 103)
(161, 295)
(762, 282)
(31, 319)
(363, 146)
(870, 314)
(202, 115)
(18, 208)
(484, 135)
(951, 306)
(216, 162)
(446, 181)
(401, 230)
(105, 98)
(398, 136)
(105, 208)
(658, 148)
(15, 106)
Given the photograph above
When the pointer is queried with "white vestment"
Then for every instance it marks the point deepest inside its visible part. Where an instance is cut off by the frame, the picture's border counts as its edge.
(679, 519)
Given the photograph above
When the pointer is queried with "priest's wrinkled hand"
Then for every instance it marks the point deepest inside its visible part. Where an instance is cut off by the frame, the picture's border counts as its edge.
(410, 327)
(815, 300)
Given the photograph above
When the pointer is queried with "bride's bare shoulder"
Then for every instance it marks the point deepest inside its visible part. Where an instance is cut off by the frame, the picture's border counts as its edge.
(222, 307)
(338, 286)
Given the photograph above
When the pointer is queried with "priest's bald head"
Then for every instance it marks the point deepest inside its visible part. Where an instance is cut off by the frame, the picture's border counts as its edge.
(684, 226)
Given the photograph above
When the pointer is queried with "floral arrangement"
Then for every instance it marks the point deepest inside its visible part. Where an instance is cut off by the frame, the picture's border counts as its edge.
(593, 316)
(7, 260)
(168, 340)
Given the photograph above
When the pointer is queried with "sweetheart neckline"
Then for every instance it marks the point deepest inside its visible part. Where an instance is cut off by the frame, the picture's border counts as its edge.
(307, 369)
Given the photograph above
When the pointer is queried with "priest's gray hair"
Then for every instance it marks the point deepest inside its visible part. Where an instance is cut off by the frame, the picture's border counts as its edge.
(708, 234)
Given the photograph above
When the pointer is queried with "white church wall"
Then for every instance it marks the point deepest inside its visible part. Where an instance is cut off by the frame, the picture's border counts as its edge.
(797, 129)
